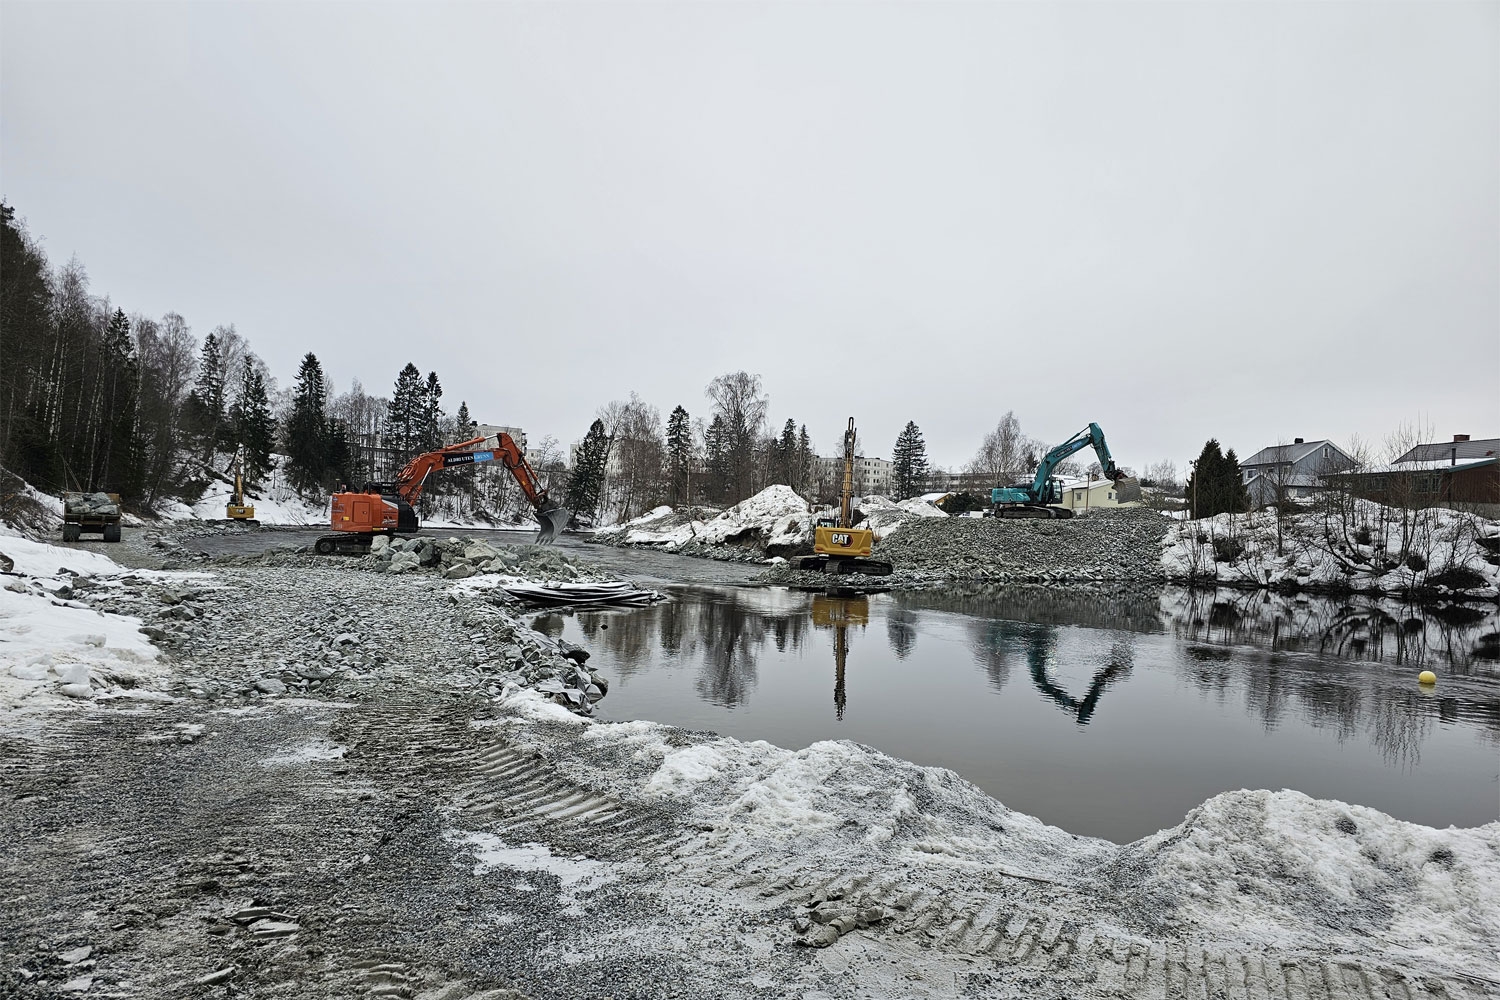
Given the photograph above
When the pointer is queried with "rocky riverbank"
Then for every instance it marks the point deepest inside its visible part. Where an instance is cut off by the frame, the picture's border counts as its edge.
(315, 781)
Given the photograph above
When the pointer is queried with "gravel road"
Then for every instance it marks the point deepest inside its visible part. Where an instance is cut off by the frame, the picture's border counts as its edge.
(645, 566)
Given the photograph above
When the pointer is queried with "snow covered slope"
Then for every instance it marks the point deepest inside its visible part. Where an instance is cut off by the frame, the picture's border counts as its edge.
(1267, 888)
(1368, 548)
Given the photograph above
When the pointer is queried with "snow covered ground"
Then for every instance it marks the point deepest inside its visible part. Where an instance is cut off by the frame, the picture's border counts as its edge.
(53, 648)
(776, 521)
(1252, 874)
(1365, 547)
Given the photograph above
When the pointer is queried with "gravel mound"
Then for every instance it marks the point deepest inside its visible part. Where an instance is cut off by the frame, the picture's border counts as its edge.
(1123, 544)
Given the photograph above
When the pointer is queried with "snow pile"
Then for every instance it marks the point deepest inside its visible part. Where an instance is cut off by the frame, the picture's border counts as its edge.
(1348, 546)
(884, 516)
(27, 557)
(1251, 870)
(774, 522)
(1278, 865)
(53, 648)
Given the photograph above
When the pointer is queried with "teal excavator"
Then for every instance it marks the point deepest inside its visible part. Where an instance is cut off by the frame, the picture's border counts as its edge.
(1034, 499)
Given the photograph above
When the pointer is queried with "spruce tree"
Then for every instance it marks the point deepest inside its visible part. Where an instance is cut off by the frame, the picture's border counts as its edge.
(432, 413)
(716, 460)
(1216, 485)
(120, 470)
(465, 422)
(404, 414)
(206, 401)
(587, 480)
(338, 456)
(786, 455)
(805, 475)
(254, 427)
(307, 428)
(679, 454)
(909, 463)
(1236, 497)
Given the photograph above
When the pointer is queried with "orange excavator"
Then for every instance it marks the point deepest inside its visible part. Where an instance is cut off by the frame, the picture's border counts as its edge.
(388, 508)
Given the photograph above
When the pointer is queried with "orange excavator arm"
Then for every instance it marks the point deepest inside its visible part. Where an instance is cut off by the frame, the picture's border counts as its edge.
(413, 478)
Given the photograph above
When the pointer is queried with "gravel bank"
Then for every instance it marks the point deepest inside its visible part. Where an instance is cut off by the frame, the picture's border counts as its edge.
(1115, 545)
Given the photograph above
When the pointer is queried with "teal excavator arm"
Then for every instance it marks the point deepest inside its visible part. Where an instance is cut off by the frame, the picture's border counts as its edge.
(1038, 491)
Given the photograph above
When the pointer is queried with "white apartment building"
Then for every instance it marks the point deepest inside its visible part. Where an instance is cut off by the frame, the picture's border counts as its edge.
(871, 475)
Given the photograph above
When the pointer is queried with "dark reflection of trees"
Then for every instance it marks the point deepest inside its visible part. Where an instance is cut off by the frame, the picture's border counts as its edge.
(1114, 606)
(1344, 699)
(996, 644)
(731, 638)
(1266, 693)
(724, 630)
(901, 631)
(670, 624)
(549, 624)
(1398, 725)
(1452, 638)
(1331, 704)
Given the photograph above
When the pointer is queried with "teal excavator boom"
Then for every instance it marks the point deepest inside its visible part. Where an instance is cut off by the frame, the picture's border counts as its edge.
(1033, 499)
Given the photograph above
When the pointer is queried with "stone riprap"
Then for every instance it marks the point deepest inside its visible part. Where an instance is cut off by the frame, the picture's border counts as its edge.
(1114, 545)
(460, 558)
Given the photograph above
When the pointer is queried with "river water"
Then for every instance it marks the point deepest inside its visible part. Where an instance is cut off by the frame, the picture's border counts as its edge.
(1110, 714)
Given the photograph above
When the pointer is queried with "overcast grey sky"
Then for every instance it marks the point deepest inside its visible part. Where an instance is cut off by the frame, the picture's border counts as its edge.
(1253, 220)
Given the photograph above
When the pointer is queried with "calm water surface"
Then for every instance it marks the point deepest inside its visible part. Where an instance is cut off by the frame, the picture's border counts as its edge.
(1105, 714)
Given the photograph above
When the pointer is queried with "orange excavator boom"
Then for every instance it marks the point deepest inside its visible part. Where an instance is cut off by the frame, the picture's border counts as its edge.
(386, 507)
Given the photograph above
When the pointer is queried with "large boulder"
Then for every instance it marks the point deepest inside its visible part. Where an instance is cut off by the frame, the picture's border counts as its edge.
(480, 551)
(404, 562)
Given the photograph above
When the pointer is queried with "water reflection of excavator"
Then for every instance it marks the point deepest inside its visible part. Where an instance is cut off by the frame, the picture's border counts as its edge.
(838, 546)
(838, 613)
(1039, 653)
(390, 507)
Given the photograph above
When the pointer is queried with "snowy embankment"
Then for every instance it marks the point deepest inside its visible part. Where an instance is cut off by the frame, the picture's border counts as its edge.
(776, 522)
(54, 648)
(1354, 547)
(897, 847)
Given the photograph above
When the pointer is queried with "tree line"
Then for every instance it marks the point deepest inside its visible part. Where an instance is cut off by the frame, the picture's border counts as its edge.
(630, 461)
(93, 398)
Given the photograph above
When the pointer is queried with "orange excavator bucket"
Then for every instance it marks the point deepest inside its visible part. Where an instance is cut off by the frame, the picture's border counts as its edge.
(552, 517)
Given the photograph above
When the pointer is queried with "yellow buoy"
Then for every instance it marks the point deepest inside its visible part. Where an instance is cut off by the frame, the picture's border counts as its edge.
(1427, 677)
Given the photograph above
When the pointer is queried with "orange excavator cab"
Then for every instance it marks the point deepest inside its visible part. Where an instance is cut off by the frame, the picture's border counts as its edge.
(391, 508)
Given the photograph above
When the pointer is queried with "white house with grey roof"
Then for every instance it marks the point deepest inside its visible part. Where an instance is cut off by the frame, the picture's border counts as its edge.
(1292, 471)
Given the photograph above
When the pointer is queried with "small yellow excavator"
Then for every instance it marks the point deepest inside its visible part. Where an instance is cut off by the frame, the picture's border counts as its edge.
(236, 509)
(838, 546)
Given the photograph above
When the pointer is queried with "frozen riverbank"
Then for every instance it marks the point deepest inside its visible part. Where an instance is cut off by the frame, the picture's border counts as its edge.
(1348, 546)
(402, 812)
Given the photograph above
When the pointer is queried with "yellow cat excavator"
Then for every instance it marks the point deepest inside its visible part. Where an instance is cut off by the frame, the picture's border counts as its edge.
(838, 546)
(236, 509)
